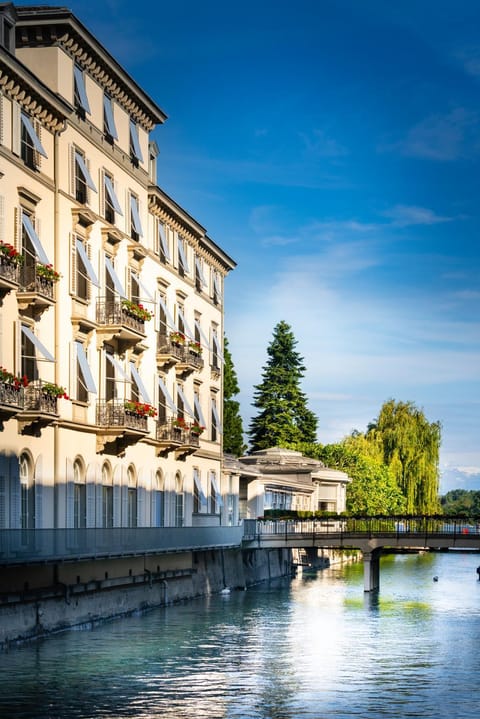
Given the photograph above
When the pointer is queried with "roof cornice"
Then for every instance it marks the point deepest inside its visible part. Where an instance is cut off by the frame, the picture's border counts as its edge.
(19, 84)
(47, 26)
(166, 209)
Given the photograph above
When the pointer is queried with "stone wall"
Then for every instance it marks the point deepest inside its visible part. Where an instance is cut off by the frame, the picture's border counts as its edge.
(57, 598)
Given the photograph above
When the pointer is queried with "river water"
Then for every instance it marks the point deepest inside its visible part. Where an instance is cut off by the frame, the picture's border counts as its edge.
(315, 647)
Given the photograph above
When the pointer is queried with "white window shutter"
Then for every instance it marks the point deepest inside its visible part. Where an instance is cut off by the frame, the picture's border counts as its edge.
(73, 277)
(16, 128)
(72, 173)
(2, 218)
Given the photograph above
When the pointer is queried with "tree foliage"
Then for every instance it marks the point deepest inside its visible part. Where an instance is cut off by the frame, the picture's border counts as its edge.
(284, 417)
(461, 501)
(373, 489)
(232, 421)
(410, 446)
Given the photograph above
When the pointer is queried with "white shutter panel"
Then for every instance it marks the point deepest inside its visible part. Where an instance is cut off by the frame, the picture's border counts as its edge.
(17, 236)
(16, 128)
(90, 503)
(15, 506)
(2, 218)
(71, 152)
(2, 112)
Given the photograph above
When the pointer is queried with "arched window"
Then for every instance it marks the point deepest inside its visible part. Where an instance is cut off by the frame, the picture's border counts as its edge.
(27, 493)
(132, 497)
(107, 496)
(79, 495)
(178, 501)
(158, 501)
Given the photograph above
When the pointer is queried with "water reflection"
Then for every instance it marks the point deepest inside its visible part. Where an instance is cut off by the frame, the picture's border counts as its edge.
(316, 647)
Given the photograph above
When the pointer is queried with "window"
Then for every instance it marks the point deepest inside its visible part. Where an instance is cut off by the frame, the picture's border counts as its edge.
(79, 496)
(163, 249)
(84, 274)
(85, 381)
(135, 150)
(27, 493)
(197, 408)
(178, 501)
(132, 498)
(216, 502)
(180, 402)
(217, 288)
(30, 145)
(82, 178)
(108, 120)
(183, 268)
(135, 225)
(80, 98)
(29, 366)
(32, 248)
(215, 425)
(215, 363)
(196, 491)
(200, 281)
(158, 501)
(112, 204)
(107, 497)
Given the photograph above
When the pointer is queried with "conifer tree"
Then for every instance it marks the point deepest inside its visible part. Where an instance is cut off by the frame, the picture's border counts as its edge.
(284, 418)
(232, 421)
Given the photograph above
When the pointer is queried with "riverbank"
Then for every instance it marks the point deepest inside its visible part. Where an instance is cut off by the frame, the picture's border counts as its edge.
(40, 600)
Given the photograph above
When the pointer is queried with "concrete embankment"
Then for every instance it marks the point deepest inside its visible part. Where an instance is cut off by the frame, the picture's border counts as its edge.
(38, 600)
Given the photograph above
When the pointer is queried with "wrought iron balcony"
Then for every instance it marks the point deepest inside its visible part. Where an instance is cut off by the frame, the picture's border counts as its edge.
(176, 437)
(191, 361)
(116, 322)
(11, 400)
(118, 427)
(168, 352)
(39, 408)
(9, 275)
(34, 290)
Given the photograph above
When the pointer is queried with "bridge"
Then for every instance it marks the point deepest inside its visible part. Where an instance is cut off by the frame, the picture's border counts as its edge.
(370, 535)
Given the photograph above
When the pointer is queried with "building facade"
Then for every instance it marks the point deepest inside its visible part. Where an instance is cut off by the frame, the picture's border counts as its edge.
(284, 479)
(111, 322)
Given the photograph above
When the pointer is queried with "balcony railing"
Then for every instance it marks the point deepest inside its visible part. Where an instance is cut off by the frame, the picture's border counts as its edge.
(112, 413)
(9, 272)
(34, 284)
(11, 397)
(168, 352)
(111, 313)
(36, 399)
(19, 546)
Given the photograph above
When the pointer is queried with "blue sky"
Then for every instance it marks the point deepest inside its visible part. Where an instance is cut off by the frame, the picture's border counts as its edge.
(332, 148)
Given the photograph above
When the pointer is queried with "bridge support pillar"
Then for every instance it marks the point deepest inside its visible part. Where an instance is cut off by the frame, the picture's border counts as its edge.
(371, 571)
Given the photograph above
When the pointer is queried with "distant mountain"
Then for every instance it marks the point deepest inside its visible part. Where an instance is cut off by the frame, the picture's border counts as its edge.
(459, 478)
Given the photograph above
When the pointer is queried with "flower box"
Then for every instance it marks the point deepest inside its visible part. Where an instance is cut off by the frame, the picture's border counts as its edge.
(136, 310)
(139, 408)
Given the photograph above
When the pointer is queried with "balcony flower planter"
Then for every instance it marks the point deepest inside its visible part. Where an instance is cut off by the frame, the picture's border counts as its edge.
(46, 272)
(177, 338)
(136, 310)
(196, 429)
(10, 255)
(140, 409)
(179, 423)
(9, 378)
(195, 348)
(54, 390)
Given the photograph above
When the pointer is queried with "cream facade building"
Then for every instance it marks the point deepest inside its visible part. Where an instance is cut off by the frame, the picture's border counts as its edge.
(284, 479)
(112, 295)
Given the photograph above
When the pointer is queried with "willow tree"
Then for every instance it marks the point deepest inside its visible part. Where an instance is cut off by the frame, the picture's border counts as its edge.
(410, 445)
(284, 418)
(232, 420)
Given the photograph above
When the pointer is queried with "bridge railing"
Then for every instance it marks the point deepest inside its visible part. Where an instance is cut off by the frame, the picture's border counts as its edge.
(364, 526)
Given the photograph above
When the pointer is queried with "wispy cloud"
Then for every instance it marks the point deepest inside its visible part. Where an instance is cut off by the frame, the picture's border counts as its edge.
(319, 144)
(406, 215)
(470, 59)
(440, 137)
